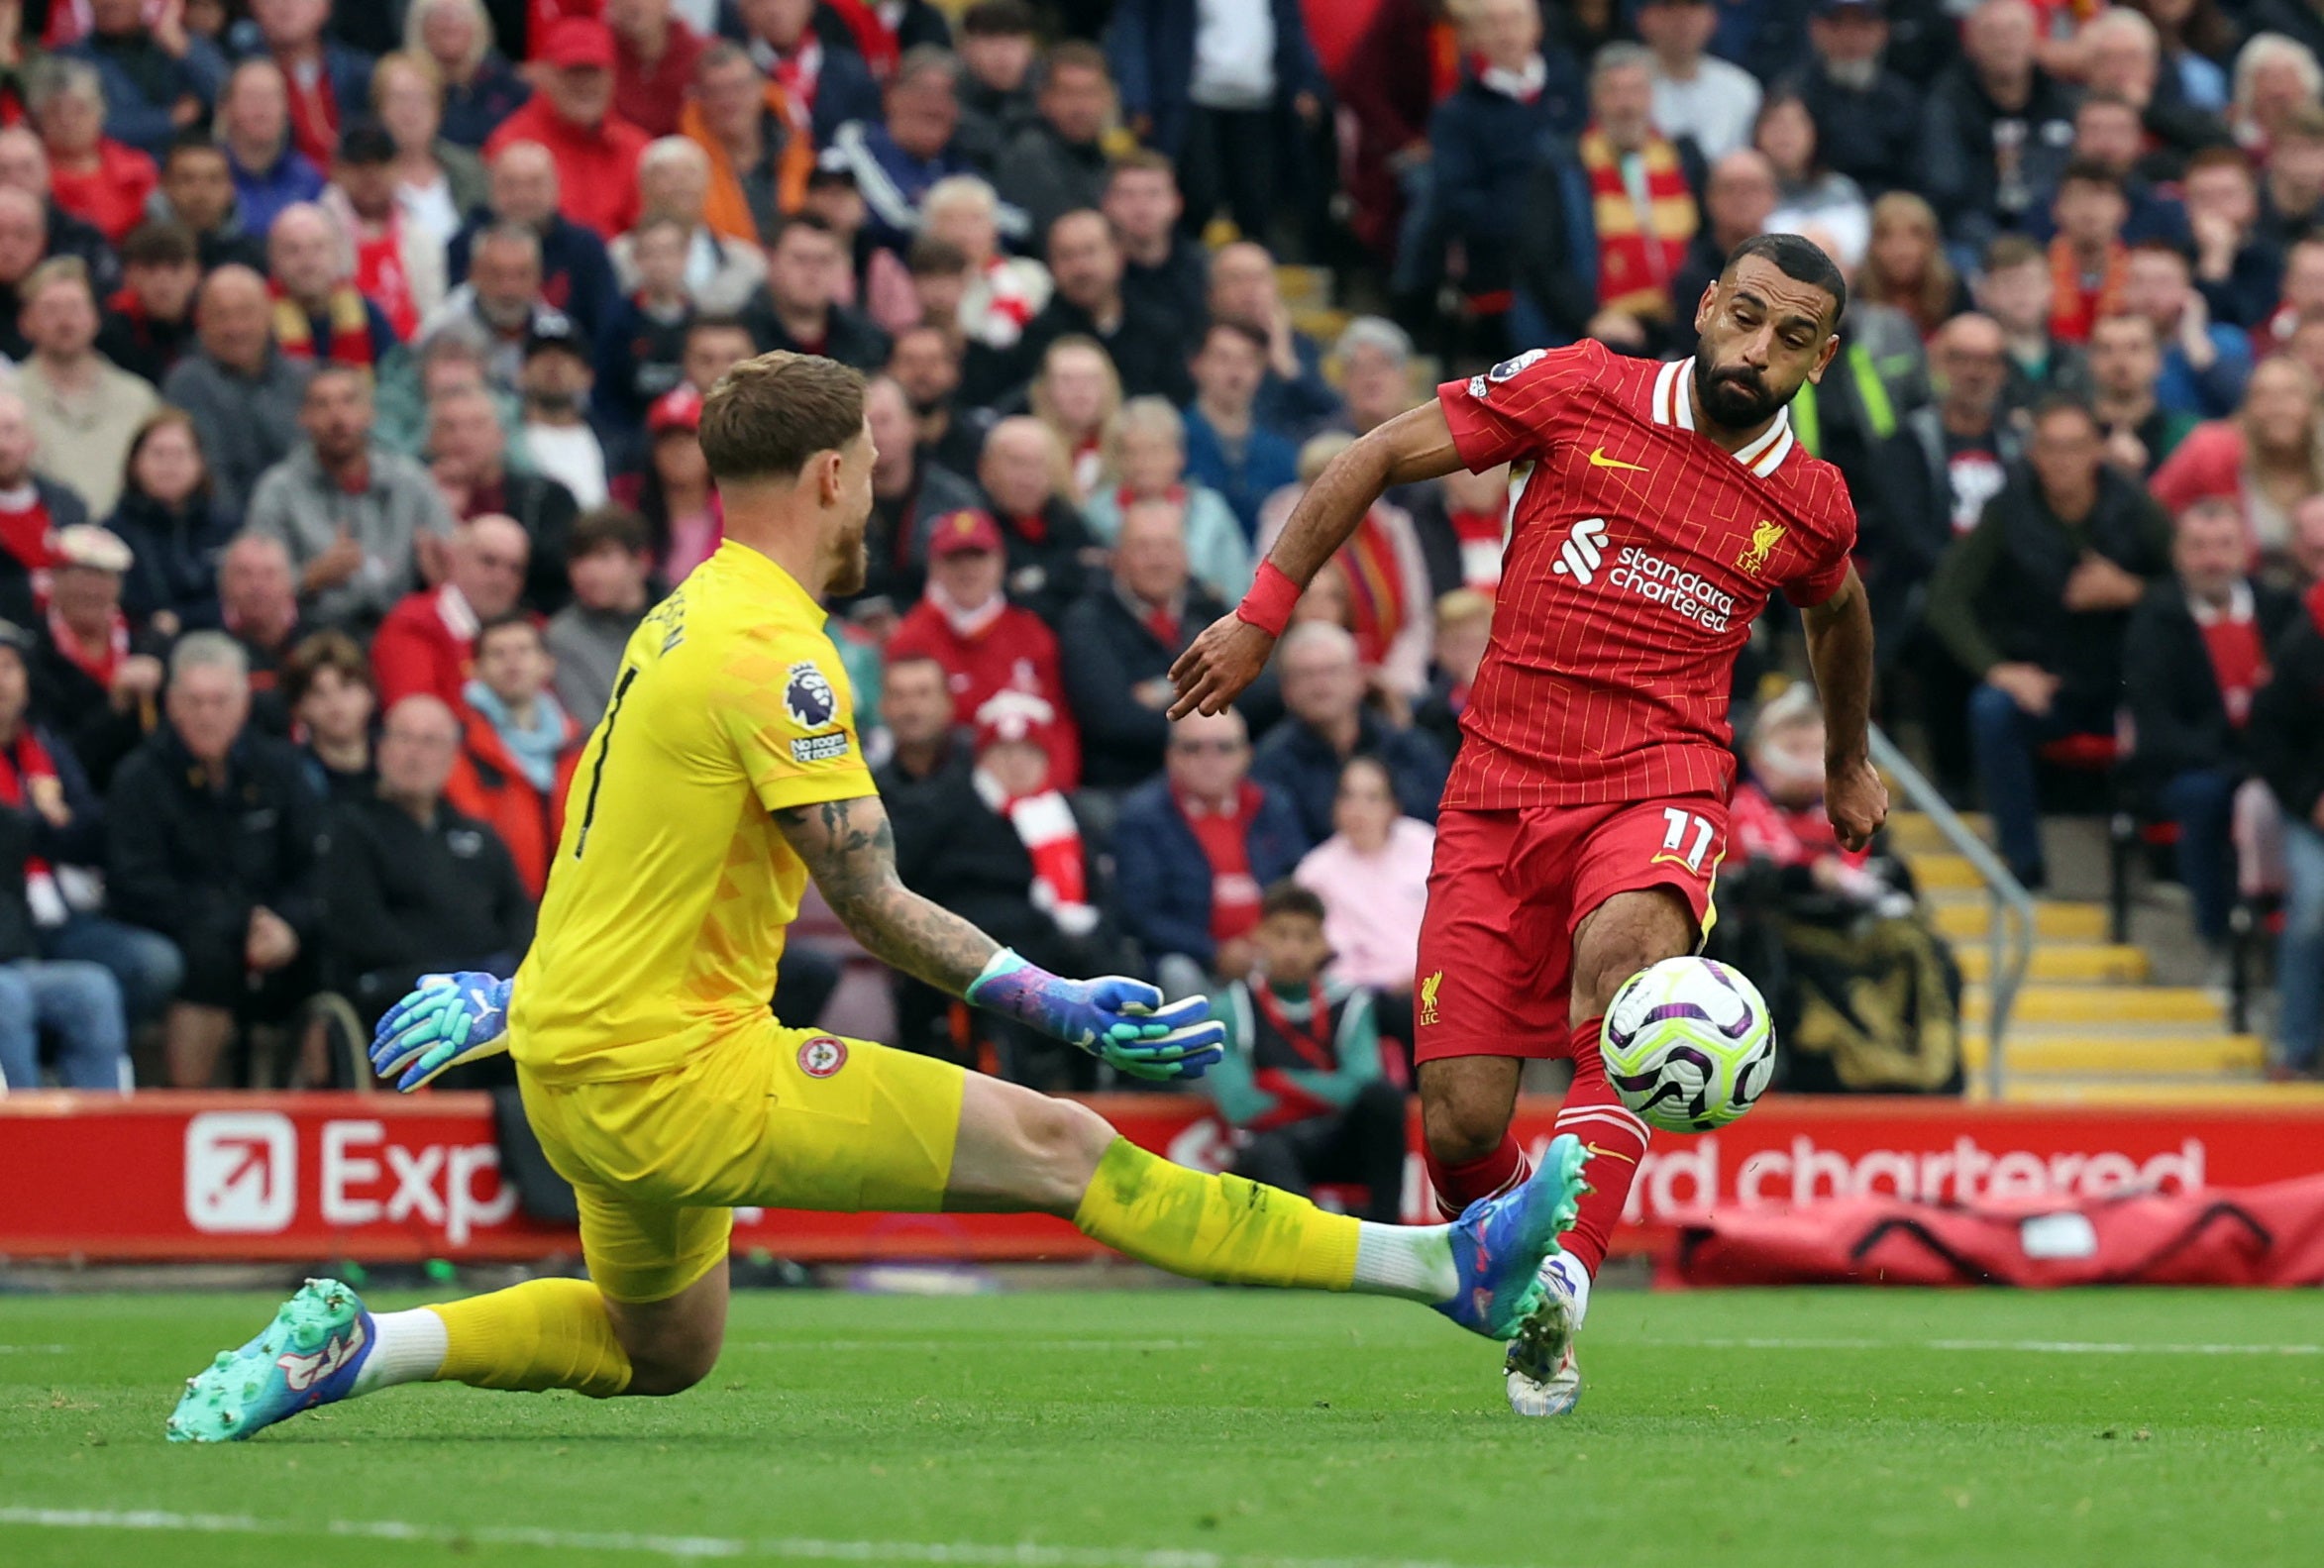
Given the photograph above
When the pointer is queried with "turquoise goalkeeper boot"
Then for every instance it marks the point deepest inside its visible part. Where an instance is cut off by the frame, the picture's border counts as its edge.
(309, 1355)
(1498, 1243)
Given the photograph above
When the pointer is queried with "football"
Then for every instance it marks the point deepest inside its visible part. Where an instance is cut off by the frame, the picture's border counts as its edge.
(1688, 1044)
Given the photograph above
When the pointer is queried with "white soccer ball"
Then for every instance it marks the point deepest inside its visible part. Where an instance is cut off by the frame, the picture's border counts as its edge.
(1688, 1044)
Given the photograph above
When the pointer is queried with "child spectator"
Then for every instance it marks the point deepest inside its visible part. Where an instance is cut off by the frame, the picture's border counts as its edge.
(148, 320)
(326, 684)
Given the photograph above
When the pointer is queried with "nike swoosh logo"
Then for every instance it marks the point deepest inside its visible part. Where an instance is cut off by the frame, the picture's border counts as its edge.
(1599, 459)
(1667, 859)
(1610, 1153)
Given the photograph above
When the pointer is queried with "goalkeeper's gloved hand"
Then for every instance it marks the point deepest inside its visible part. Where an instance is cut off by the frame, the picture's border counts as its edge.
(447, 1021)
(1121, 1020)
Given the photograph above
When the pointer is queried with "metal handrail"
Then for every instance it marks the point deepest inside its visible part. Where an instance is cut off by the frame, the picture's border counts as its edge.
(2012, 904)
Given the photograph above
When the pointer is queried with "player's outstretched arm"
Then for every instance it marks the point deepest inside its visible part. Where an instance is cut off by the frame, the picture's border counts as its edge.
(1229, 654)
(849, 848)
(1840, 651)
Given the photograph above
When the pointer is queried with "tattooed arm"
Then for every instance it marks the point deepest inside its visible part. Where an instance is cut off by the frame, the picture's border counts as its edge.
(849, 848)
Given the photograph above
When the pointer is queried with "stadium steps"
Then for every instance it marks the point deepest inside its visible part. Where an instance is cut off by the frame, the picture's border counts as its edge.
(2088, 1024)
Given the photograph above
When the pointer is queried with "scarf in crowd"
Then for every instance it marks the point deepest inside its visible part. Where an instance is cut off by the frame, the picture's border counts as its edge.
(22, 764)
(967, 623)
(726, 207)
(1636, 265)
(27, 532)
(1007, 308)
(379, 274)
(2075, 306)
(351, 329)
(99, 668)
(534, 751)
(1482, 537)
(1053, 840)
(874, 27)
(1375, 588)
(1523, 86)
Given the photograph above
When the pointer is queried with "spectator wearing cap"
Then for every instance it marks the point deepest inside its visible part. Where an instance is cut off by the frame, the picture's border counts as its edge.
(329, 81)
(761, 158)
(518, 749)
(559, 438)
(1000, 44)
(97, 179)
(398, 264)
(148, 322)
(1867, 115)
(1210, 85)
(467, 457)
(63, 876)
(1191, 851)
(1147, 351)
(480, 88)
(1227, 446)
(654, 60)
(255, 129)
(674, 492)
(987, 644)
(319, 312)
(197, 190)
(1163, 268)
(157, 76)
(596, 151)
(1124, 635)
(1049, 546)
(1057, 163)
(909, 490)
(673, 180)
(1997, 126)
(412, 885)
(85, 410)
(33, 509)
(94, 680)
(427, 643)
(1484, 141)
(352, 514)
(798, 310)
(608, 565)
(326, 688)
(2194, 657)
(242, 392)
(172, 527)
(212, 833)
(575, 274)
(898, 156)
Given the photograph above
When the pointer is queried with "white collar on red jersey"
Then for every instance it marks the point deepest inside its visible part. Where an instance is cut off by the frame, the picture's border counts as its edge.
(1674, 404)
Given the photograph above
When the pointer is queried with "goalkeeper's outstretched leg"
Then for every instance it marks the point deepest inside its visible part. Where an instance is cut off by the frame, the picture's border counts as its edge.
(1013, 1151)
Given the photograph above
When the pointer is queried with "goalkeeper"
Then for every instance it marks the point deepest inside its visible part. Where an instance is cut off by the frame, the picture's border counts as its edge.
(725, 773)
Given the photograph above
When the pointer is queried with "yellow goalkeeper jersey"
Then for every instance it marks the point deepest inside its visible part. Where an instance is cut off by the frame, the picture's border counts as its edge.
(672, 888)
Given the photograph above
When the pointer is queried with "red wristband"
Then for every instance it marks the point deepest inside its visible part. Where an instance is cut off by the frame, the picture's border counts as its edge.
(1269, 604)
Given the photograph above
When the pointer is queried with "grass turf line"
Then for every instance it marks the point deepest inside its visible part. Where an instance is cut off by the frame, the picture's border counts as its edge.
(1777, 1428)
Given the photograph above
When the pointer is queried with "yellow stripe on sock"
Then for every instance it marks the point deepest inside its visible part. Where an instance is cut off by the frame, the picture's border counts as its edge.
(541, 1334)
(1221, 1229)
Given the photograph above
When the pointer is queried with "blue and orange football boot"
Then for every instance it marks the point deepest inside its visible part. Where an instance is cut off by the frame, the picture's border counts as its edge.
(1498, 1243)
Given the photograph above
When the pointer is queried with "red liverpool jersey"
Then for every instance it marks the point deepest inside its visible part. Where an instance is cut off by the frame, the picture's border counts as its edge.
(1639, 556)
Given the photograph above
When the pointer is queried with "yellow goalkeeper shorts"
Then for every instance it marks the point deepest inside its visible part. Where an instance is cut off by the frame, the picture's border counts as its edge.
(773, 1118)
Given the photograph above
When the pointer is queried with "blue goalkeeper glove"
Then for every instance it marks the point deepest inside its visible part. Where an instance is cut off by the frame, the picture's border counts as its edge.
(1121, 1020)
(447, 1021)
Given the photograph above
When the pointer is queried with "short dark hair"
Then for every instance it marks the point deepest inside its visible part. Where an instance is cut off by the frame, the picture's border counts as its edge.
(193, 138)
(334, 650)
(522, 619)
(1239, 328)
(719, 321)
(2055, 403)
(999, 19)
(1141, 161)
(161, 242)
(1074, 54)
(931, 257)
(611, 527)
(1289, 897)
(813, 222)
(767, 416)
(1800, 259)
(2088, 171)
(2011, 250)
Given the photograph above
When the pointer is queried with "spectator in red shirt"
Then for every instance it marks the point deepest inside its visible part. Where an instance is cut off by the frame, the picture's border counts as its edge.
(90, 176)
(596, 151)
(427, 643)
(398, 265)
(520, 748)
(986, 644)
(654, 56)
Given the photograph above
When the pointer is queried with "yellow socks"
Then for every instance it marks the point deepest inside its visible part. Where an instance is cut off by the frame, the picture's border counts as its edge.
(1221, 1228)
(541, 1334)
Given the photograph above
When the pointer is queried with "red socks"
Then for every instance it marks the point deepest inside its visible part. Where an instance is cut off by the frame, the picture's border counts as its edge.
(1458, 1185)
(1614, 1138)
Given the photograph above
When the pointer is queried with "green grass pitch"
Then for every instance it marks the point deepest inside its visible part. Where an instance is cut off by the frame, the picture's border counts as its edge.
(1196, 1429)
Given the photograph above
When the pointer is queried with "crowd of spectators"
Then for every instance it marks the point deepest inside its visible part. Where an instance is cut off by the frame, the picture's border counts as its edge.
(355, 354)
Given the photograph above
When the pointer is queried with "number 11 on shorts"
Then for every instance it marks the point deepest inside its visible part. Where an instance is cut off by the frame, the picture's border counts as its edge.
(1676, 844)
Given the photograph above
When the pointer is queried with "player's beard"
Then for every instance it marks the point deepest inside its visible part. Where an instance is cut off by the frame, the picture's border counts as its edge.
(852, 566)
(1736, 396)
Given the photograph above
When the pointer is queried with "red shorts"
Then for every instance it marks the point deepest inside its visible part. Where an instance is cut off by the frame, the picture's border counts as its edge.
(1507, 892)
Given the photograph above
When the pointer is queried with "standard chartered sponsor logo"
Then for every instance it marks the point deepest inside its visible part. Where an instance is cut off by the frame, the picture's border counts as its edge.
(1583, 551)
(1653, 578)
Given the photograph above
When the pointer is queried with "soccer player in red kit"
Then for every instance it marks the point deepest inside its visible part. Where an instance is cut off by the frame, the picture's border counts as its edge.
(1583, 825)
